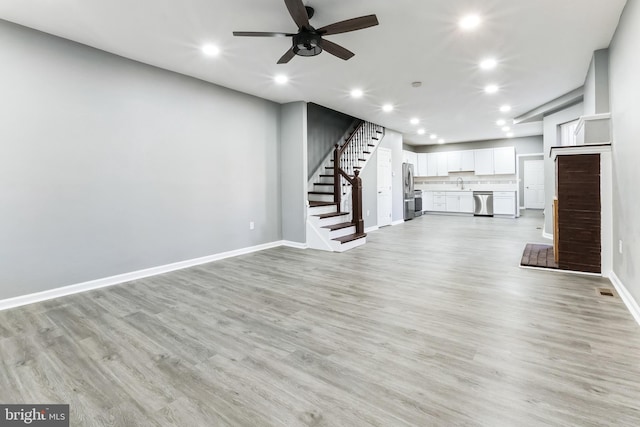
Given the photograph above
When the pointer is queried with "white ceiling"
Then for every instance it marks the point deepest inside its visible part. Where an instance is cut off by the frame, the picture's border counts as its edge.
(543, 47)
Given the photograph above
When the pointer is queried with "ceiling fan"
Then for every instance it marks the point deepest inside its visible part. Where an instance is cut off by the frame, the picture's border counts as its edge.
(308, 41)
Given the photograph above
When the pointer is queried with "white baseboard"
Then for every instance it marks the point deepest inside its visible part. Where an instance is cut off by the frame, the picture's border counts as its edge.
(522, 208)
(401, 221)
(135, 275)
(295, 245)
(547, 235)
(626, 296)
(370, 229)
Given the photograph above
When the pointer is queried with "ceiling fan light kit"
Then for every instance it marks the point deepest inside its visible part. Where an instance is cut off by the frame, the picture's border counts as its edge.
(308, 41)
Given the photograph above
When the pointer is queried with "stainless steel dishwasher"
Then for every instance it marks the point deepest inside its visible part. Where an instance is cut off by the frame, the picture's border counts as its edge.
(483, 203)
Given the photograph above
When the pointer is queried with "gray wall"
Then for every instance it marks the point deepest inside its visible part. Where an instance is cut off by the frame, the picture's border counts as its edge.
(293, 171)
(524, 145)
(325, 128)
(110, 166)
(550, 126)
(393, 140)
(625, 109)
(596, 85)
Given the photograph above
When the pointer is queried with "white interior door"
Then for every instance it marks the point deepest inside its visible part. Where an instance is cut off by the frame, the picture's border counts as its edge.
(534, 184)
(385, 180)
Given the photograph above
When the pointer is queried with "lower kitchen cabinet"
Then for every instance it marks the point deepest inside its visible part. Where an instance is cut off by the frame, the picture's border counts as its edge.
(504, 203)
(466, 203)
(439, 201)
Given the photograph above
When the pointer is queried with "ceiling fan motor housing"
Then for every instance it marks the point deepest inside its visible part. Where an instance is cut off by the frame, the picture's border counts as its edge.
(307, 43)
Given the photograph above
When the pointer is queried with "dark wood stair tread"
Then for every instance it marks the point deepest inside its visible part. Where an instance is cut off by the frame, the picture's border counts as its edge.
(320, 192)
(367, 152)
(314, 204)
(334, 227)
(326, 176)
(331, 215)
(350, 238)
(371, 145)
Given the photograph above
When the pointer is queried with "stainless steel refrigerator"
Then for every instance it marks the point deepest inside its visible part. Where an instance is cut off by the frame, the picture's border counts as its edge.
(409, 194)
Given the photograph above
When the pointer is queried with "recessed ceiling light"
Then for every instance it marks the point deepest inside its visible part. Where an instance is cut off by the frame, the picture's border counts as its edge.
(281, 79)
(415, 121)
(441, 141)
(488, 64)
(421, 131)
(510, 135)
(501, 122)
(491, 88)
(505, 108)
(387, 108)
(433, 136)
(506, 129)
(469, 22)
(356, 93)
(210, 50)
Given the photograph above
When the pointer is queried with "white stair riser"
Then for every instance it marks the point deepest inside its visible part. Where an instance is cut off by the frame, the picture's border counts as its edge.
(333, 220)
(319, 210)
(321, 197)
(340, 247)
(325, 180)
(342, 232)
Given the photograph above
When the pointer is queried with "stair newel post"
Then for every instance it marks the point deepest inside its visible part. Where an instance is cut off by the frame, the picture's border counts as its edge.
(356, 201)
(337, 179)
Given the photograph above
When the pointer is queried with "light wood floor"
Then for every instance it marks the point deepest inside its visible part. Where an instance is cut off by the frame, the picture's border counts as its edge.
(432, 323)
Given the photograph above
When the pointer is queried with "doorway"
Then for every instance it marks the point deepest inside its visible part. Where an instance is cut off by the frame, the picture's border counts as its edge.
(385, 183)
(534, 184)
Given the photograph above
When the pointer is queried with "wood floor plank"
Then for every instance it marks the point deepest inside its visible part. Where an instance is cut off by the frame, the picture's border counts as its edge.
(432, 322)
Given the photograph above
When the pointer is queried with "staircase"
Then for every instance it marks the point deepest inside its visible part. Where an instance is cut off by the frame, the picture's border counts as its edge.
(334, 215)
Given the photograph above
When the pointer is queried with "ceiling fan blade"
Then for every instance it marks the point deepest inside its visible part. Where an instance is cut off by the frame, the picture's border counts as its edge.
(349, 25)
(260, 34)
(336, 50)
(298, 13)
(287, 57)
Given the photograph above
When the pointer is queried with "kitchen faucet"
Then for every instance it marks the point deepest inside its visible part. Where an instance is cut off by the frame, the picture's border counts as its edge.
(461, 181)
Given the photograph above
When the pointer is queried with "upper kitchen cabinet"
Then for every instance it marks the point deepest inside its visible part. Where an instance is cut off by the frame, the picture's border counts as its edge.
(504, 161)
(422, 167)
(454, 161)
(468, 160)
(484, 161)
(432, 164)
(410, 157)
(442, 164)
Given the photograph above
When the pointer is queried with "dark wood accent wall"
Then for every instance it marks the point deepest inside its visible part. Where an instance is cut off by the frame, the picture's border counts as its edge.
(579, 212)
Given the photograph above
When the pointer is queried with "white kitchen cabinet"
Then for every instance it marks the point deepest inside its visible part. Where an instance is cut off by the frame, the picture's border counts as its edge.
(467, 161)
(432, 164)
(504, 203)
(439, 201)
(454, 161)
(410, 157)
(483, 160)
(466, 202)
(442, 164)
(453, 202)
(460, 161)
(504, 161)
(422, 169)
(427, 200)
